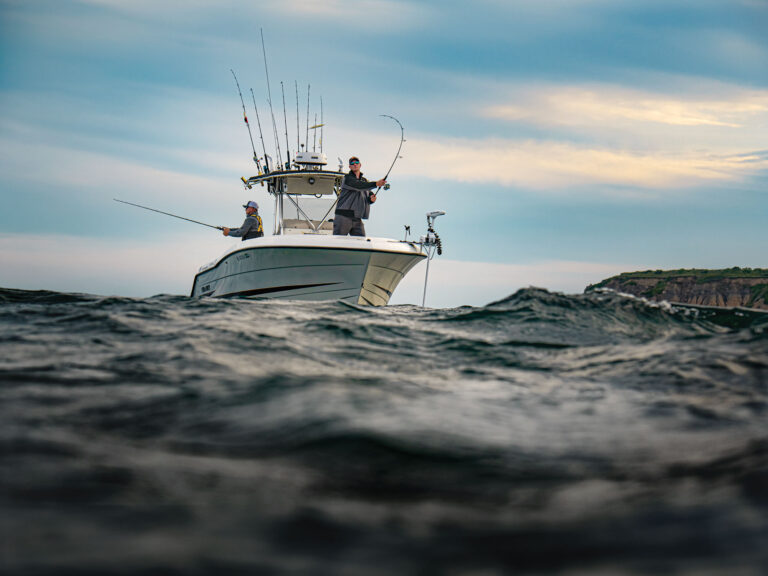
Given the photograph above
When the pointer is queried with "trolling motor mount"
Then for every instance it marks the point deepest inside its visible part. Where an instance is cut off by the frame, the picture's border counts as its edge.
(431, 244)
(432, 240)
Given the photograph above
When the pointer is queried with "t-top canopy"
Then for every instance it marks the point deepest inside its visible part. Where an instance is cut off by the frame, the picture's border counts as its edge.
(316, 183)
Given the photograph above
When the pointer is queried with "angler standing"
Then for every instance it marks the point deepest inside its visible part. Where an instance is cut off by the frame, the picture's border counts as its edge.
(252, 226)
(354, 201)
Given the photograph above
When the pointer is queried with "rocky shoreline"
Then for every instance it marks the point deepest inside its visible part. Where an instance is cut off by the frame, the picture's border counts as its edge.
(732, 287)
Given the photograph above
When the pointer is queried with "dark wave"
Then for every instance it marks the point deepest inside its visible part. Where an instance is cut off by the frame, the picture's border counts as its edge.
(543, 433)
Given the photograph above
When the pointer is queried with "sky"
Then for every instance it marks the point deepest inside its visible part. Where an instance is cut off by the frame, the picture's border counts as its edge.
(567, 140)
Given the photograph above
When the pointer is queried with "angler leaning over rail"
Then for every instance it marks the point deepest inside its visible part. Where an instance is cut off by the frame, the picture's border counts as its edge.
(355, 201)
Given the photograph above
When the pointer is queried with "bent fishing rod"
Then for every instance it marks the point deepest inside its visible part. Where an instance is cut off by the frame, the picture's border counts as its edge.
(169, 214)
(397, 154)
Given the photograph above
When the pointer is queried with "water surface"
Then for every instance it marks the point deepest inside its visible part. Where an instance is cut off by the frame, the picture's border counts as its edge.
(542, 434)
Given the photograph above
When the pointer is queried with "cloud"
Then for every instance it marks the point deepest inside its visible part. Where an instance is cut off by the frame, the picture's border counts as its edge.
(377, 14)
(598, 136)
(555, 166)
(598, 105)
(94, 174)
(381, 12)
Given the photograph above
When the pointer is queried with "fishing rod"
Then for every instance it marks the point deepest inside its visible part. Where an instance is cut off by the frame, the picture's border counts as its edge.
(261, 134)
(245, 118)
(285, 123)
(169, 214)
(314, 134)
(397, 154)
(269, 96)
(298, 146)
(306, 138)
(314, 128)
(402, 139)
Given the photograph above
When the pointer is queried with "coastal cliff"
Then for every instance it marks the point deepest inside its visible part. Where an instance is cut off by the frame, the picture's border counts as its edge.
(744, 287)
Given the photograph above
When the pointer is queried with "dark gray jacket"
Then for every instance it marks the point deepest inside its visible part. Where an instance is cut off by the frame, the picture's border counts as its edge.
(251, 228)
(355, 197)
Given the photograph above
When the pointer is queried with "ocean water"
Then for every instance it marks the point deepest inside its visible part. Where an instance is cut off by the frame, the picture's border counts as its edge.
(541, 434)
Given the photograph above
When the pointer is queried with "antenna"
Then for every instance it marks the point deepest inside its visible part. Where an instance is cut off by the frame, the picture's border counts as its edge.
(269, 96)
(285, 123)
(314, 134)
(261, 135)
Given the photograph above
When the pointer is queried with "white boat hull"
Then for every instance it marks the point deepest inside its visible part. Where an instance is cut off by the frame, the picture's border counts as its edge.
(310, 267)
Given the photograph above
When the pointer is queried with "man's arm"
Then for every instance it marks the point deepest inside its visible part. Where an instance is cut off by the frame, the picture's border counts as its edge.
(362, 184)
(243, 230)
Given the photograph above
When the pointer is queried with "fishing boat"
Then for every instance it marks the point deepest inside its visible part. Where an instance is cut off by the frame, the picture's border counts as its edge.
(302, 259)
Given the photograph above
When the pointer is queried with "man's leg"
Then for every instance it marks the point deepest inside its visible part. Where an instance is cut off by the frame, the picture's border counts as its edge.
(341, 225)
(357, 228)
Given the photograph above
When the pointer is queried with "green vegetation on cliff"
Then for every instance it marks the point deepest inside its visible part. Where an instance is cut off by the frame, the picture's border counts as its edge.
(758, 292)
(700, 275)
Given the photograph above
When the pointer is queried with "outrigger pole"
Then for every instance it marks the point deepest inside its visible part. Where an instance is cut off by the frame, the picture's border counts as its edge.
(245, 118)
(169, 214)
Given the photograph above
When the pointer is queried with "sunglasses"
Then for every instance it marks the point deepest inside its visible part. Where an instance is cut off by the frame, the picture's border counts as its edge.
(353, 163)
